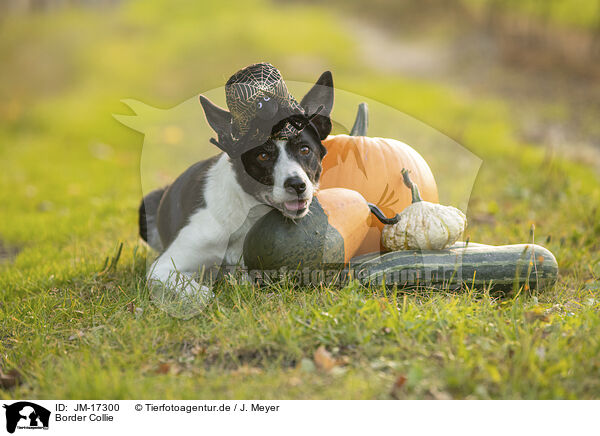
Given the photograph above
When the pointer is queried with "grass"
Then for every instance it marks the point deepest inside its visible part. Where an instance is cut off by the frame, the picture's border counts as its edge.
(70, 187)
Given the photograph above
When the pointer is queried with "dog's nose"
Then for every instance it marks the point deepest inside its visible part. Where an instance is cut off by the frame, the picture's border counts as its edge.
(294, 185)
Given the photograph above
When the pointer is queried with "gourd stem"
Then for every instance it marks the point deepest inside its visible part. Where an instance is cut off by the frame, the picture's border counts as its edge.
(362, 121)
(381, 217)
(414, 189)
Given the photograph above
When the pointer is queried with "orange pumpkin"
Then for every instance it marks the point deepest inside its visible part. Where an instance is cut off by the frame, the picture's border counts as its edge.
(348, 213)
(372, 166)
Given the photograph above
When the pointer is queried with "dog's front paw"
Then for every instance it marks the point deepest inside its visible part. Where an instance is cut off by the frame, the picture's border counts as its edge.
(193, 289)
(181, 297)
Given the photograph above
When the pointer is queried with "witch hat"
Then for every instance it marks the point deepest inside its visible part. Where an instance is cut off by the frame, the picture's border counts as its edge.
(260, 106)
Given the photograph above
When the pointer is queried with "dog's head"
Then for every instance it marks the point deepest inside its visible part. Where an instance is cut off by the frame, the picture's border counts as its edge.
(283, 173)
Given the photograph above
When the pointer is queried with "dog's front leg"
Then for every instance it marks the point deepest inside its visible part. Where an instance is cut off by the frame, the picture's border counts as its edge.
(190, 253)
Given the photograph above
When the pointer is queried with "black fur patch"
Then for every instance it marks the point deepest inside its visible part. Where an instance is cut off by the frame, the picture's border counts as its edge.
(182, 199)
(254, 174)
(261, 170)
(149, 208)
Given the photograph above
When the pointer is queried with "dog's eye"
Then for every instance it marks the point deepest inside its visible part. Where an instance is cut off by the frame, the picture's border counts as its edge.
(263, 157)
(259, 104)
(304, 150)
(266, 98)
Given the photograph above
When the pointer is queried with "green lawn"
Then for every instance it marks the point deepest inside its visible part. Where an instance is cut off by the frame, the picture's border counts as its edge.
(70, 187)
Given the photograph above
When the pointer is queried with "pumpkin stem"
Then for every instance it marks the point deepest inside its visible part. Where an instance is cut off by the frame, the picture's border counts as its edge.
(414, 189)
(361, 122)
(381, 217)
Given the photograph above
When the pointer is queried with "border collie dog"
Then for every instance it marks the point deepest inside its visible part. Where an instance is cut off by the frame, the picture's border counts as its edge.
(199, 222)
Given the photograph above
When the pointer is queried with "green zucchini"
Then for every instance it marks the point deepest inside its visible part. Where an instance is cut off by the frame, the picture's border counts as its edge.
(503, 268)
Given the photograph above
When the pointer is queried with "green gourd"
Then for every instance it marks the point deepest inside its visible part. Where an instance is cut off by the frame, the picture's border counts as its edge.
(503, 268)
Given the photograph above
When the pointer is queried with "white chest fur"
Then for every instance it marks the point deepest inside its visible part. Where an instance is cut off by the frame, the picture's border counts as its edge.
(214, 234)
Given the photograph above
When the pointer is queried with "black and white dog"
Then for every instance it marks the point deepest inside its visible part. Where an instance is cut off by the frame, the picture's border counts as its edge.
(200, 221)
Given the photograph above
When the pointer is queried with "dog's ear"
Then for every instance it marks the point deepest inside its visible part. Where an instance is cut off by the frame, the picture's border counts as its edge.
(219, 120)
(322, 151)
(320, 95)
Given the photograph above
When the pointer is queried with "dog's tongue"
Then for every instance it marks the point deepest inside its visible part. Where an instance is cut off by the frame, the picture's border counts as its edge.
(295, 204)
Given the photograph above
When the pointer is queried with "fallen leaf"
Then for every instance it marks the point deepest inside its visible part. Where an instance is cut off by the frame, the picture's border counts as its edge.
(9, 379)
(130, 307)
(324, 360)
(400, 381)
(397, 387)
(163, 368)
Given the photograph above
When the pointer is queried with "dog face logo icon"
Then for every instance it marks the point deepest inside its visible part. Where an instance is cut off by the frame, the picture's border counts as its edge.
(26, 415)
